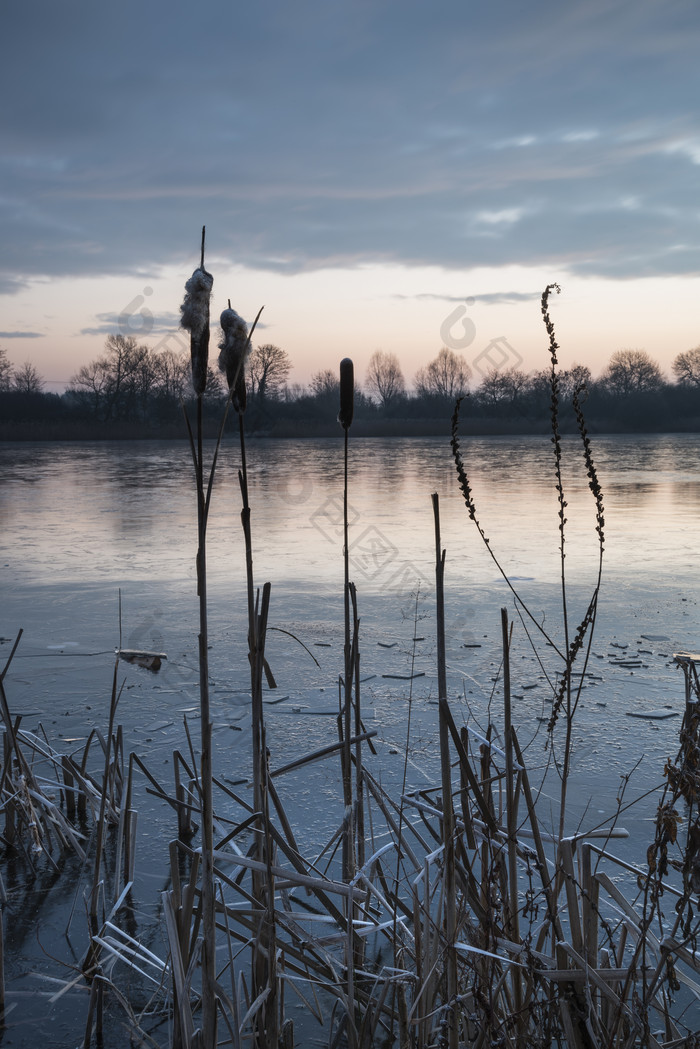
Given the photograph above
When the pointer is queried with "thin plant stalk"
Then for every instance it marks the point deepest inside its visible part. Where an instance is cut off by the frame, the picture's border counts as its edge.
(206, 767)
(446, 779)
(91, 960)
(511, 813)
(348, 666)
(264, 950)
(347, 392)
(359, 784)
(196, 318)
(566, 696)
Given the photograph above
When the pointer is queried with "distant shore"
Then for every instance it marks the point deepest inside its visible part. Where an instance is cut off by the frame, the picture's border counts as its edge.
(82, 430)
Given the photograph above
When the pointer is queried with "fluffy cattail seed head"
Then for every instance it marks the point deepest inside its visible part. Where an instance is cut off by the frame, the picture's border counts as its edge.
(195, 319)
(347, 392)
(235, 347)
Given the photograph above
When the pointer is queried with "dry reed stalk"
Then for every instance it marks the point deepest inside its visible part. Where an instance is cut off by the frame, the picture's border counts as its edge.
(351, 800)
(126, 834)
(322, 752)
(358, 801)
(542, 865)
(95, 990)
(90, 962)
(263, 961)
(196, 319)
(446, 780)
(384, 802)
(69, 792)
(183, 1023)
(2, 971)
(345, 420)
(24, 799)
(513, 906)
(184, 798)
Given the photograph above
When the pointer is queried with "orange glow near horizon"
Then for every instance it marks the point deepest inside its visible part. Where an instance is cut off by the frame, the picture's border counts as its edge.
(319, 317)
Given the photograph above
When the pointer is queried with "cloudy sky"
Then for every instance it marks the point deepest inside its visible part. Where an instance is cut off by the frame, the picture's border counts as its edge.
(390, 174)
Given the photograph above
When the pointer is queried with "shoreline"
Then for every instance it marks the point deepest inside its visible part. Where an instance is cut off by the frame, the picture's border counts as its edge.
(41, 432)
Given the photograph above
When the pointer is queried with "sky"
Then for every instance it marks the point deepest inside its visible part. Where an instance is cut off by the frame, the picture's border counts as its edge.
(378, 174)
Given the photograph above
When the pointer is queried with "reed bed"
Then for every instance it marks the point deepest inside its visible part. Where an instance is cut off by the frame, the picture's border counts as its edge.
(447, 917)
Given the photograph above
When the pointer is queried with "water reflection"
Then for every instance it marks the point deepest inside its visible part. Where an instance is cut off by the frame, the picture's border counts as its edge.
(94, 511)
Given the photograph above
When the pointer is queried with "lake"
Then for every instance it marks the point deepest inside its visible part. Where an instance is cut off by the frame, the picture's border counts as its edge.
(89, 527)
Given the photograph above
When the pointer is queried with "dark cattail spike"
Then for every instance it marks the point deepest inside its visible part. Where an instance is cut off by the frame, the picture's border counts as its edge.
(347, 392)
(240, 397)
(201, 264)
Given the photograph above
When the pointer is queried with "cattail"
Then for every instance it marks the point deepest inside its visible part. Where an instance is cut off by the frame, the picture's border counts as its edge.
(195, 319)
(235, 347)
(347, 392)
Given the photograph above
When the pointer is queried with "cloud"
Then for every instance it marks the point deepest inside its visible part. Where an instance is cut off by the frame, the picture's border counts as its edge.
(508, 298)
(491, 298)
(137, 321)
(349, 134)
(21, 335)
(503, 217)
(140, 323)
(10, 284)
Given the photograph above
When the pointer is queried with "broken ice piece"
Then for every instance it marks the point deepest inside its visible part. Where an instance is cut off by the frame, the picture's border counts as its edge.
(149, 660)
(652, 715)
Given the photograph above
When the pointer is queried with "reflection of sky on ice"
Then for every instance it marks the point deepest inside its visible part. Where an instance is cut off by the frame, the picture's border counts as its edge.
(118, 512)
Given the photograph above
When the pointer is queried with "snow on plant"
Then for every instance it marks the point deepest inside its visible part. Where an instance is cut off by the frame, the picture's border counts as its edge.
(235, 346)
(195, 319)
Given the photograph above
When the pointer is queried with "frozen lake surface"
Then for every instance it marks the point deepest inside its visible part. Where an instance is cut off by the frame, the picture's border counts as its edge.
(82, 522)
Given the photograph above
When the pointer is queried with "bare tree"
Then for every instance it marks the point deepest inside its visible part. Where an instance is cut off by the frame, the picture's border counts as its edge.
(384, 378)
(631, 371)
(446, 376)
(173, 375)
(503, 386)
(268, 369)
(216, 388)
(569, 381)
(129, 379)
(27, 379)
(574, 378)
(5, 370)
(89, 386)
(325, 383)
(120, 383)
(686, 367)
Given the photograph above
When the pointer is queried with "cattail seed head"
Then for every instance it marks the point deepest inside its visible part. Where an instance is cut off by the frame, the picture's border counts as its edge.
(195, 319)
(235, 347)
(347, 392)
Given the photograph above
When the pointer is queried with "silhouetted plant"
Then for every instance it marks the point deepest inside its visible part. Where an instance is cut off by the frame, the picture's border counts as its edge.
(566, 693)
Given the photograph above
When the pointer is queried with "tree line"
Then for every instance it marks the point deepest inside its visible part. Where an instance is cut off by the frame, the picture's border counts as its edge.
(132, 385)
